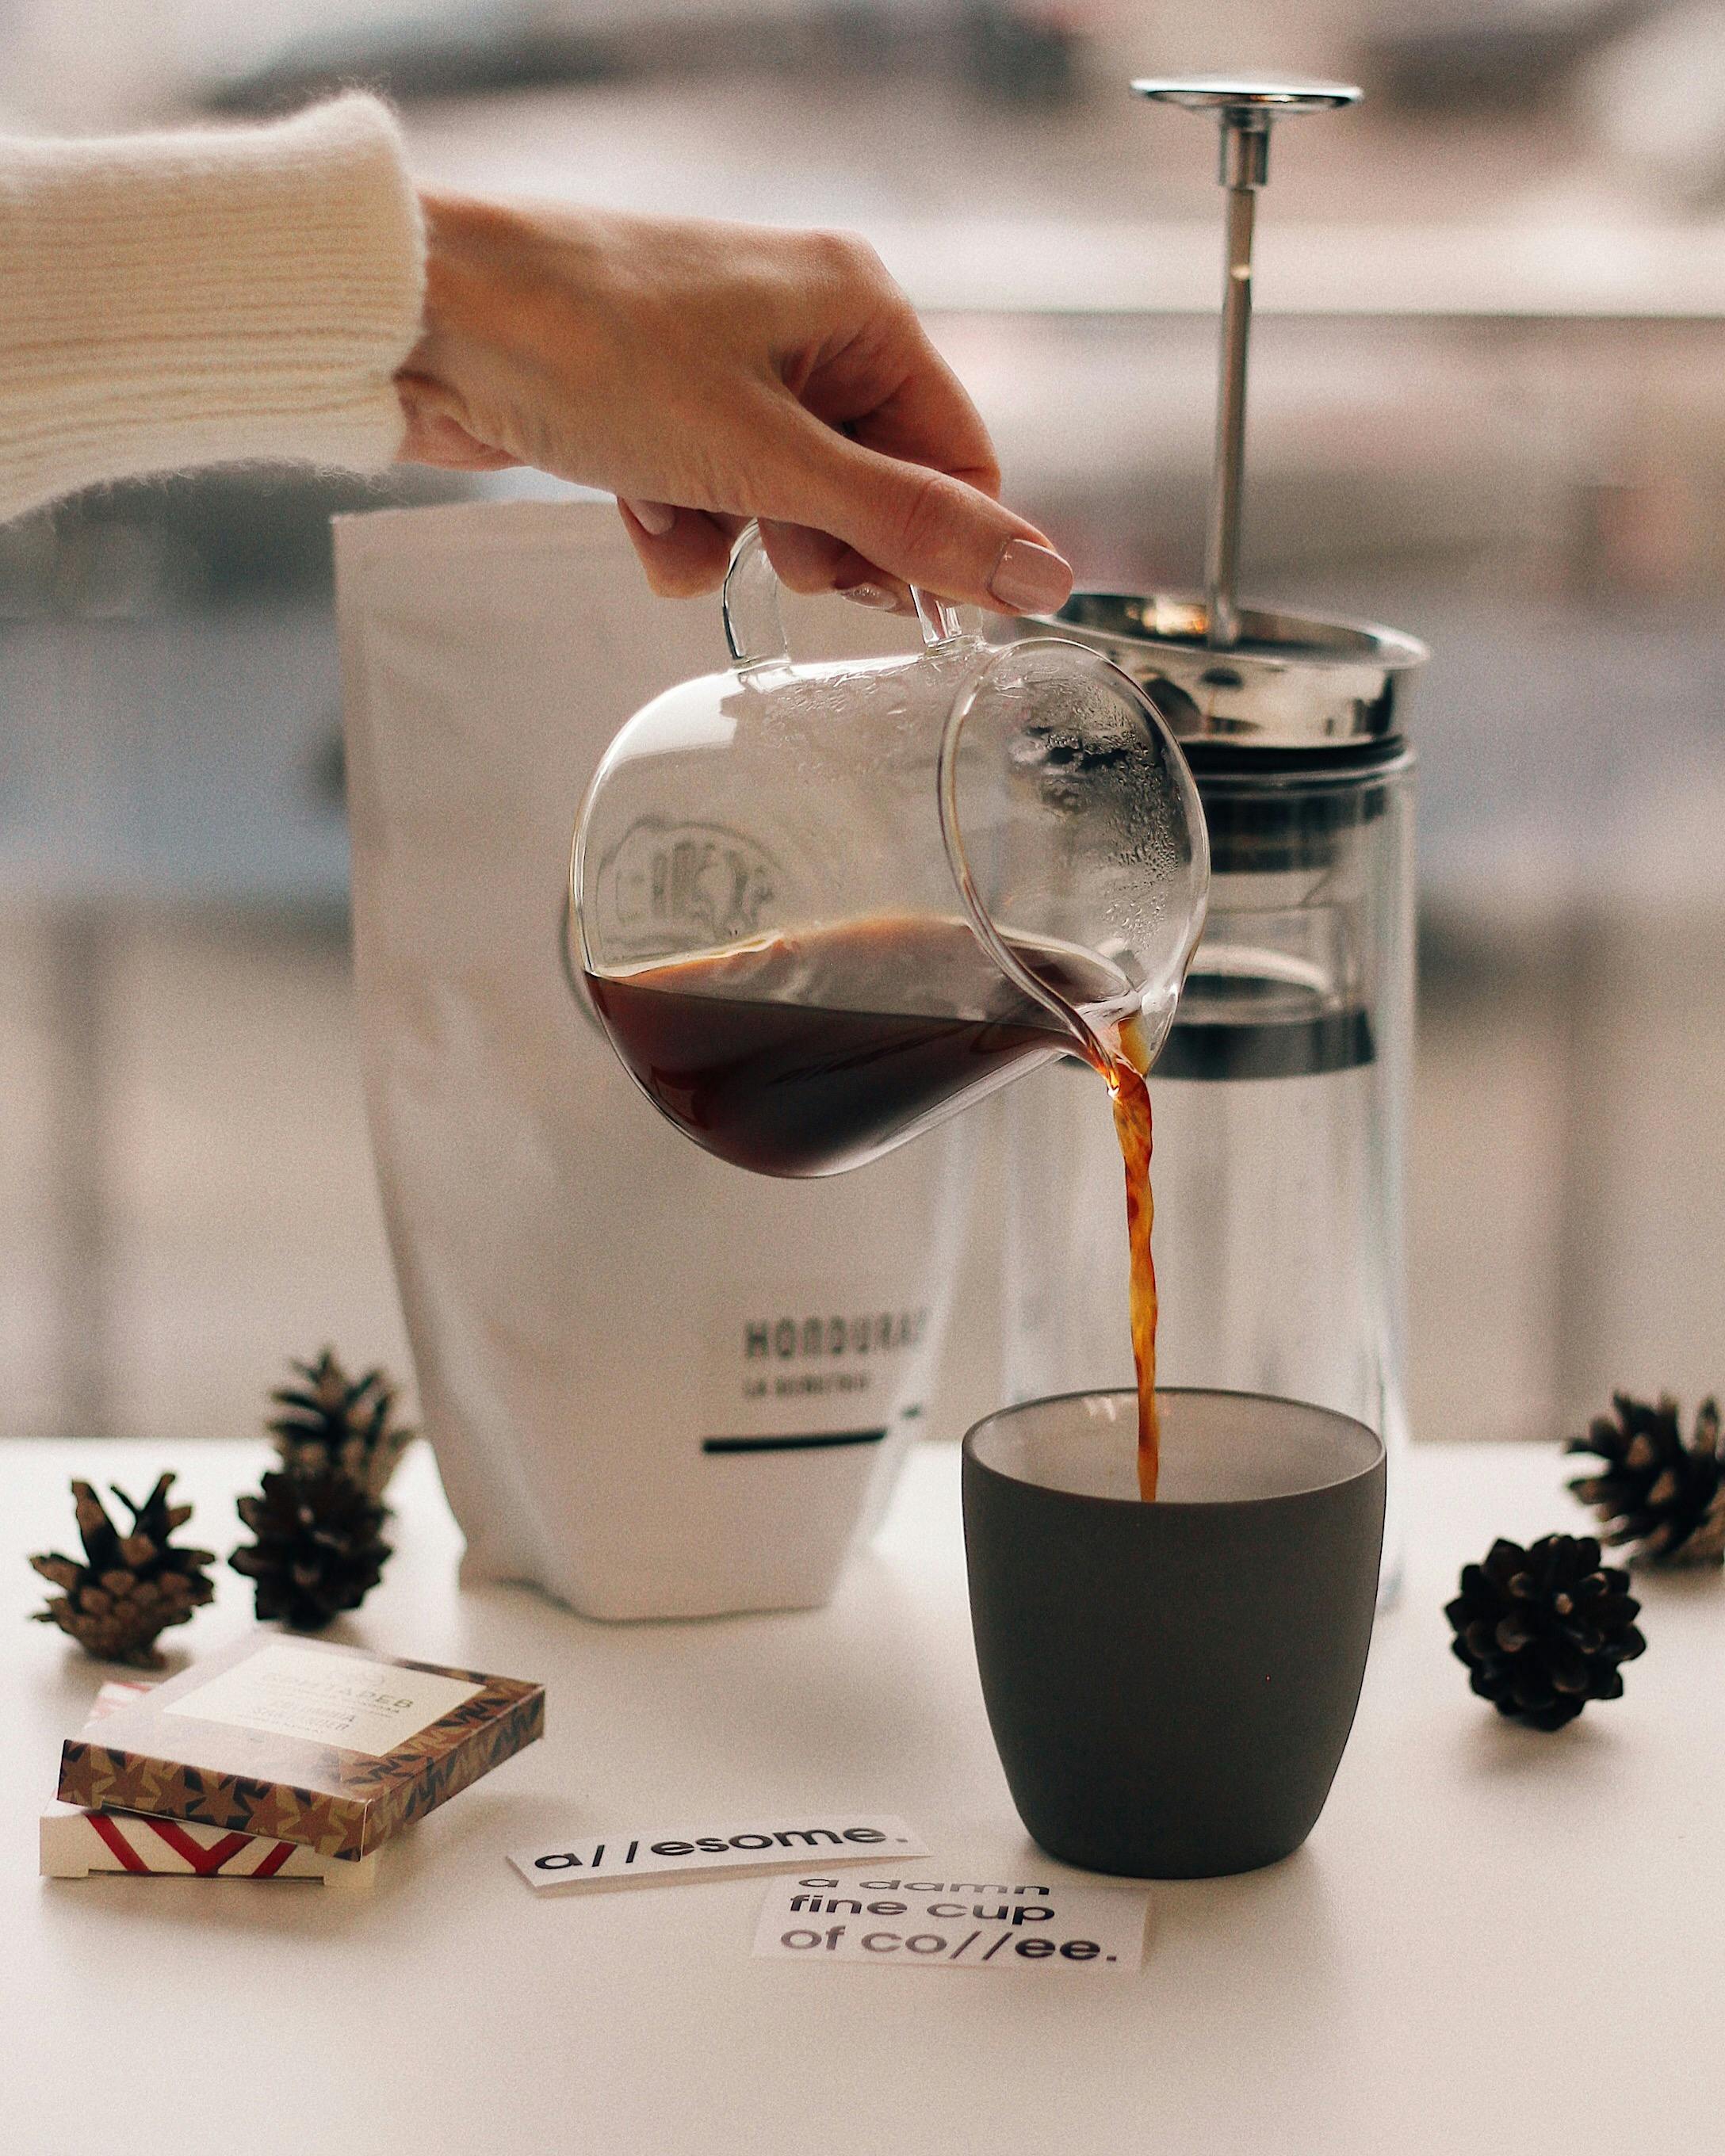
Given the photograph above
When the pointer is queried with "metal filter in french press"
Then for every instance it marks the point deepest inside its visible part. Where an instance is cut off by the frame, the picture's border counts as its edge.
(1281, 1095)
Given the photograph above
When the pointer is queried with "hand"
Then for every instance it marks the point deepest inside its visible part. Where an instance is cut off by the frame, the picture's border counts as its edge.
(710, 373)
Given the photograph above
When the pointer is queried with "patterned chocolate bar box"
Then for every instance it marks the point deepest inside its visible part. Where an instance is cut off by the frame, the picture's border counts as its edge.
(331, 1747)
(76, 1844)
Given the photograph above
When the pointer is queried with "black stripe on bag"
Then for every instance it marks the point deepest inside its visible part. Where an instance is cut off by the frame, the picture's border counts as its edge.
(821, 1441)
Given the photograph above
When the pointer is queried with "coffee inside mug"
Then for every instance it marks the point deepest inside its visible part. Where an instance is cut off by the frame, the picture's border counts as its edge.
(1218, 1448)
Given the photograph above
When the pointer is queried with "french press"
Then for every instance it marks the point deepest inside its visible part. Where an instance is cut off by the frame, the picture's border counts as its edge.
(1280, 1094)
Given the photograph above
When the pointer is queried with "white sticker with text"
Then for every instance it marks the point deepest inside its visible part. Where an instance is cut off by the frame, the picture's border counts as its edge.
(611, 1859)
(920, 1923)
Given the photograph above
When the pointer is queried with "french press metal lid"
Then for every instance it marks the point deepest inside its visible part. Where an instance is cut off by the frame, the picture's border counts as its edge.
(1223, 676)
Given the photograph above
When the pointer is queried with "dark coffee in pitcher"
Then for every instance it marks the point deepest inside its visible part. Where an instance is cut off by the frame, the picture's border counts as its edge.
(806, 1053)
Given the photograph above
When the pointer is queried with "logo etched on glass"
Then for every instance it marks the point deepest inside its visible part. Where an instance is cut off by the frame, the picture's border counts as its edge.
(668, 886)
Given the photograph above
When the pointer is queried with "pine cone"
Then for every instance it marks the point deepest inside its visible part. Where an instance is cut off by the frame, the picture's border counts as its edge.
(1544, 1629)
(333, 1422)
(318, 1548)
(1664, 1498)
(131, 1587)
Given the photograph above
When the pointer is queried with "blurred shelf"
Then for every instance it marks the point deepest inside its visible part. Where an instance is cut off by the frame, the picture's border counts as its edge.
(186, 757)
(1507, 272)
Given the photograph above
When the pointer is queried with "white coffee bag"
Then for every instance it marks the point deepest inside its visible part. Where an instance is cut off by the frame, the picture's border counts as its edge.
(656, 1386)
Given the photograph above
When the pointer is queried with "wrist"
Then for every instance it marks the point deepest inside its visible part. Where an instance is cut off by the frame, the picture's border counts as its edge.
(460, 232)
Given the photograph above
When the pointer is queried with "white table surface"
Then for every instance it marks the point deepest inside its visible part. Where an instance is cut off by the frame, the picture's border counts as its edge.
(1494, 1939)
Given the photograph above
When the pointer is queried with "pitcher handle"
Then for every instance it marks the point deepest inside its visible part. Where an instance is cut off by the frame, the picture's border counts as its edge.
(754, 625)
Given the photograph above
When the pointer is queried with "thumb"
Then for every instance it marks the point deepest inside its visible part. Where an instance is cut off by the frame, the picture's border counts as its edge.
(921, 524)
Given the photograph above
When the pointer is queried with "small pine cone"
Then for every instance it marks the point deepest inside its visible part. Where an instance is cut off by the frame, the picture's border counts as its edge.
(131, 1587)
(318, 1548)
(1543, 1629)
(331, 1422)
(1662, 1499)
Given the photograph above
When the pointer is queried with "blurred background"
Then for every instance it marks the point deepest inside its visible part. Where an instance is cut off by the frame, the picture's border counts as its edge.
(1488, 408)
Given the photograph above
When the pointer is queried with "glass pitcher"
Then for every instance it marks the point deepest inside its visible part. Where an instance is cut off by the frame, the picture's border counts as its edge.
(819, 908)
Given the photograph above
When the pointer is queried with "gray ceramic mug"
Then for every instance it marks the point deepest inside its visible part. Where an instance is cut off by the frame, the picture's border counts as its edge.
(1171, 1687)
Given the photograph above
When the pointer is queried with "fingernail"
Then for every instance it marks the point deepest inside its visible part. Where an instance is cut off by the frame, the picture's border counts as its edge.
(1029, 578)
(655, 518)
(870, 595)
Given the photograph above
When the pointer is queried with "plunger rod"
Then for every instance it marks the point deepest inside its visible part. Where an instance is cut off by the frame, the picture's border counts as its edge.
(1245, 147)
(1246, 107)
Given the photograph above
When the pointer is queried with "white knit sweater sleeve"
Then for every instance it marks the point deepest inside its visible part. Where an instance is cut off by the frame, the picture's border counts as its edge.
(207, 297)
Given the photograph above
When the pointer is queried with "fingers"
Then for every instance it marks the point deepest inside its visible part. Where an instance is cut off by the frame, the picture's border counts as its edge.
(813, 561)
(655, 518)
(929, 419)
(691, 550)
(883, 382)
(920, 526)
(689, 555)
